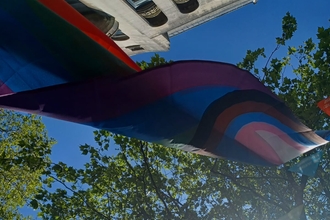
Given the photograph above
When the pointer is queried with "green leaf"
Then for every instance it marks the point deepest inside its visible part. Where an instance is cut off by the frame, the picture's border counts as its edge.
(34, 204)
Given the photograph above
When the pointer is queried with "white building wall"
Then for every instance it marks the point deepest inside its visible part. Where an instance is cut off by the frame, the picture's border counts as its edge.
(154, 39)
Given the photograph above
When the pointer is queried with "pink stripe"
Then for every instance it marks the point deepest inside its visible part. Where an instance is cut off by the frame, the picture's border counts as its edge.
(248, 136)
(272, 129)
(4, 89)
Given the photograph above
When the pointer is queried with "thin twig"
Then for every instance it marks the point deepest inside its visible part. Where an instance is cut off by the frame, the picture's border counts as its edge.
(81, 197)
(152, 180)
(271, 55)
(283, 207)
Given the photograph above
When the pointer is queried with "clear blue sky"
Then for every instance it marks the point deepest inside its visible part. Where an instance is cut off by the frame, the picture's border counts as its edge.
(225, 39)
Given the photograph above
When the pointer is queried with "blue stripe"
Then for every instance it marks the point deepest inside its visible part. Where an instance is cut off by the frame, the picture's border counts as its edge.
(166, 118)
(157, 121)
(25, 64)
(324, 134)
(233, 150)
(247, 118)
(196, 100)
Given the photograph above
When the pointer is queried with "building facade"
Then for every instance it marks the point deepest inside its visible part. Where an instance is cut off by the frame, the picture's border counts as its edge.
(140, 26)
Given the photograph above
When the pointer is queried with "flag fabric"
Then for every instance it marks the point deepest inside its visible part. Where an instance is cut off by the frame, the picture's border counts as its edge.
(204, 107)
(324, 105)
(309, 165)
(38, 48)
(54, 63)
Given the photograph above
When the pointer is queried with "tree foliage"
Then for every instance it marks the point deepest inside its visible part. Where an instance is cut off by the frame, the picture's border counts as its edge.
(155, 61)
(148, 181)
(24, 151)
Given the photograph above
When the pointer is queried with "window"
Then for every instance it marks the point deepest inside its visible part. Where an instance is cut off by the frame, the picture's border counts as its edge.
(186, 6)
(103, 21)
(148, 10)
(137, 3)
(119, 36)
(135, 48)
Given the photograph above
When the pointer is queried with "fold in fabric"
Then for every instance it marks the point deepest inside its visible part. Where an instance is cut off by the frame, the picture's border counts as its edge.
(55, 63)
(65, 11)
(308, 165)
(209, 108)
(38, 48)
(324, 105)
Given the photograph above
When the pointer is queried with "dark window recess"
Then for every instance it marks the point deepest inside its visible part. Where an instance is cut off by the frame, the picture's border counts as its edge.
(103, 21)
(119, 36)
(72, 1)
(135, 47)
(166, 36)
(186, 6)
(152, 14)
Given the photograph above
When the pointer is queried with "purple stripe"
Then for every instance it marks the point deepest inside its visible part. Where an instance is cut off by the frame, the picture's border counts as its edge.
(4, 89)
(155, 84)
(102, 99)
(189, 74)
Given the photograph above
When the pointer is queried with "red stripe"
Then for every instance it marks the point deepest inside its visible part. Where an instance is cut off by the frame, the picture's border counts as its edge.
(64, 10)
(324, 105)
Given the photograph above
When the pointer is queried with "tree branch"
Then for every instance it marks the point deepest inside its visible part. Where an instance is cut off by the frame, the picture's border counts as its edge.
(152, 179)
(234, 209)
(81, 197)
(300, 195)
(145, 193)
(325, 187)
(271, 55)
(130, 167)
(283, 207)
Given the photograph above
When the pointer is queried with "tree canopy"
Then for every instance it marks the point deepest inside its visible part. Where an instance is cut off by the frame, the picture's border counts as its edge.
(24, 155)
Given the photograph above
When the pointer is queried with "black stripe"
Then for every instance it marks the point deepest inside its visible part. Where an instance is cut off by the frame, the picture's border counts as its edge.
(220, 105)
